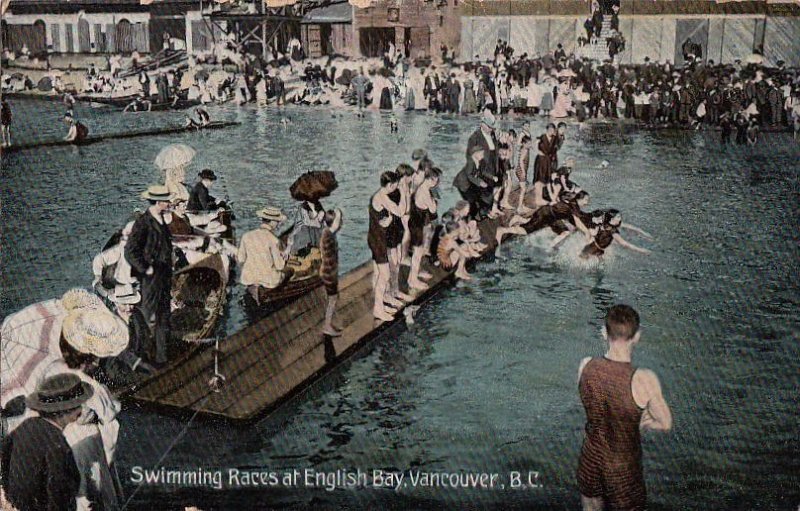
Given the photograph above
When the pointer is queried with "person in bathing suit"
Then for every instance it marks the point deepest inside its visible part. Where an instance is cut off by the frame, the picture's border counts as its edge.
(621, 401)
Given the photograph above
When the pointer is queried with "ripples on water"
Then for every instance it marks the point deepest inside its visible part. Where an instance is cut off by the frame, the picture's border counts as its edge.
(485, 380)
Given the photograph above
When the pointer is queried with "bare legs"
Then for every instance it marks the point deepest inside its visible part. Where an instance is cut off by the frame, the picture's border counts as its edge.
(415, 276)
(380, 285)
(329, 329)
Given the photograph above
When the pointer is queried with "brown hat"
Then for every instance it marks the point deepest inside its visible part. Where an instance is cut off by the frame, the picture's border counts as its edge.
(59, 393)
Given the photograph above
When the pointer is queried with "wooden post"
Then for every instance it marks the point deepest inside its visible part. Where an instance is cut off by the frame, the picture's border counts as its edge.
(264, 38)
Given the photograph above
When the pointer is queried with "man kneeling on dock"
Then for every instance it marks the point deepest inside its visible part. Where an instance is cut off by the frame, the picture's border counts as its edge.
(262, 255)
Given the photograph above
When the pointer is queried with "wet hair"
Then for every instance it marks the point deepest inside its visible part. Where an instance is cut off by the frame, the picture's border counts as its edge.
(583, 194)
(609, 214)
(461, 204)
(433, 173)
(404, 170)
(389, 177)
(622, 322)
(425, 164)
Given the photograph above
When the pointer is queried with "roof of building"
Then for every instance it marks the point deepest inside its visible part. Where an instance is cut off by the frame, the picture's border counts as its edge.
(341, 12)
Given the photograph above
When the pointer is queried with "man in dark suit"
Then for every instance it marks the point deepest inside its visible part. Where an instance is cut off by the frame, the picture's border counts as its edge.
(485, 138)
(37, 468)
(471, 184)
(200, 200)
(149, 252)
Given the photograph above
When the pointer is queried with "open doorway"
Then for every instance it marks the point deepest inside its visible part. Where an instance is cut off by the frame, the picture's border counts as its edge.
(374, 42)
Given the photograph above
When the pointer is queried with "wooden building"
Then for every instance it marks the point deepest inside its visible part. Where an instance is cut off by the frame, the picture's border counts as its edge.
(725, 30)
(328, 30)
(418, 28)
(82, 26)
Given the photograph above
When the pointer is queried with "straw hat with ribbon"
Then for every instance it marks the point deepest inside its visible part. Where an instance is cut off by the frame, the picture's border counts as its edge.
(158, 193)
(271, 214)
(96, 332)
(59, 393)
(125, 294)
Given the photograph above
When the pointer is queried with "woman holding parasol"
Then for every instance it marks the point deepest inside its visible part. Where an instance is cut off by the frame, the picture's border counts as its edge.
(309, 188)
(173, 160)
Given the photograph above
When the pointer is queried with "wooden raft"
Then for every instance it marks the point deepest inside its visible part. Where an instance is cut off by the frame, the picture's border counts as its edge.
(113, 136)
(271, 360)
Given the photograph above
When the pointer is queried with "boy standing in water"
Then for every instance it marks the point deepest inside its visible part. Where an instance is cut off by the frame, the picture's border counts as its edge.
(620, 400)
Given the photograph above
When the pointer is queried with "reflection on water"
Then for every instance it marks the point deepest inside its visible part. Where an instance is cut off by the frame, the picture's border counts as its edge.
(485, 378)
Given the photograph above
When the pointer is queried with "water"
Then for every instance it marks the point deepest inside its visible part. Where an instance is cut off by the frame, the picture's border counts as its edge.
(485, 381)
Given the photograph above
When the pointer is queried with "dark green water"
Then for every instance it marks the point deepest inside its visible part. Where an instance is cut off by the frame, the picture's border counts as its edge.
(485, 381)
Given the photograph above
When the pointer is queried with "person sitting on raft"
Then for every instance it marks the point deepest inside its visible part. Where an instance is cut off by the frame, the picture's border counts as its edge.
(262, 256)
(199, 119)
(460, 240)
(606, 233)
(78, 132)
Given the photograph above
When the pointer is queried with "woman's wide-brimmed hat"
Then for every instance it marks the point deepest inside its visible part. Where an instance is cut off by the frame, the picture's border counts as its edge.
(59, 393)
(158, 193)
(96, 332)
(79, 298)
(271, 214)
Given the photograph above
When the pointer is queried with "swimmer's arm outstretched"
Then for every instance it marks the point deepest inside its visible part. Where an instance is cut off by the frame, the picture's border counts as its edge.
(619, 239)
(647, 389)
(637, 230)
(581, 226)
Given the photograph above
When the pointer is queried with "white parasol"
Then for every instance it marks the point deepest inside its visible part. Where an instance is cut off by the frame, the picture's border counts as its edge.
(174, 155)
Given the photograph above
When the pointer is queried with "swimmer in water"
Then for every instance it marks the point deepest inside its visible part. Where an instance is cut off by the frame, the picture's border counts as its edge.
(558, 216)
(393, 125)
(605, 234)
(200, 119)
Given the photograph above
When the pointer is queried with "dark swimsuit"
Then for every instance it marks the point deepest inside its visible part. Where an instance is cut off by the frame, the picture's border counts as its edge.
(377, 234)
(417, 220)
(603, 240)
(394, 233)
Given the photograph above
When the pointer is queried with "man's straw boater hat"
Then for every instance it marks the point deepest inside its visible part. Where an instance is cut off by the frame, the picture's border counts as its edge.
(158, 193)
(125, 294)
(59, 393)
(96, 332)
(271, 214)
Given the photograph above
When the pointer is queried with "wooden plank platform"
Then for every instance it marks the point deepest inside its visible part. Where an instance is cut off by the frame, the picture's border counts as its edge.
(112, 136)
(269, 361)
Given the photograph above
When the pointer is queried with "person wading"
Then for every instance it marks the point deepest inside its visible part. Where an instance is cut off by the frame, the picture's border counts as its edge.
(620, 400)
(149, 252)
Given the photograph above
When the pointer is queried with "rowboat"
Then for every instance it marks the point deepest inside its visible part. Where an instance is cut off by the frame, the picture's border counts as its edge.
(200, 291)
(113, 136)
(304, 279)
